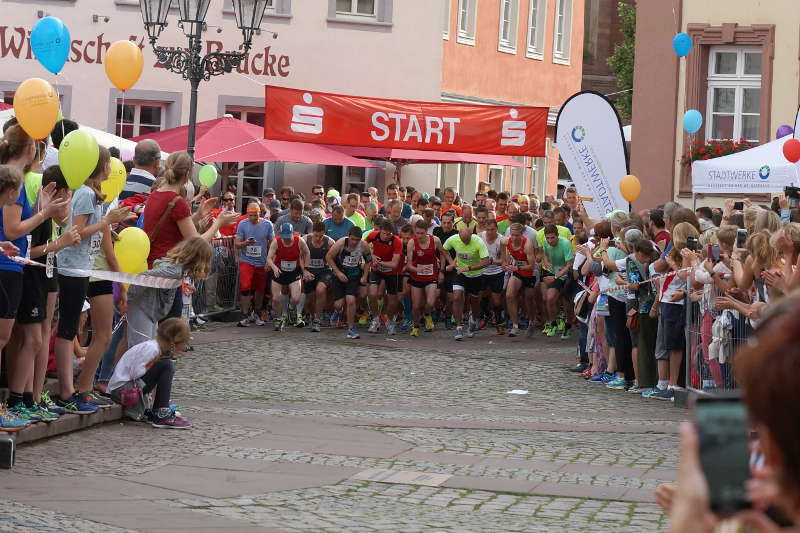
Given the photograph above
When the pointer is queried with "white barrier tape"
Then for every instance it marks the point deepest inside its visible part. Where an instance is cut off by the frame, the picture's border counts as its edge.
(154, 282)
(649, 280)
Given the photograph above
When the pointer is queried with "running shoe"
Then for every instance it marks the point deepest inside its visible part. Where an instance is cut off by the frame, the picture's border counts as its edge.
(44, 413)
(414, 332)
(20, 411)
(263, 316)
(459, 333)
(587, 374)
(429, 325)
(352, 333)
(315, 325)
(256, 319)
(169, 420)
(363, 319)
(501, 329)
(406, 325)
(50, 405)
(566, 334)
(665, 395)
(374, 326)
(391, 327)
(471, 328)
(482, 323)
(9, 421)
(448, 323)
(649, 393)
(243, 323)
(554, 330)
(637, 390)
(299, 322)
(602, 377)
(513, 332)
(547, 327)
(579, 368)
(97, 399)
(618, 383)
(199, 321)
(75, 405)
(279, 323)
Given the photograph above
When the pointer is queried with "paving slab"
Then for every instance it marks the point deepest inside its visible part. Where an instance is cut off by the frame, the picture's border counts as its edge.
(490, 484)
(76, 489)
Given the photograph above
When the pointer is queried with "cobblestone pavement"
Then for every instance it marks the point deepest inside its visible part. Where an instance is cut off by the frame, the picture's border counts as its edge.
(567, 456)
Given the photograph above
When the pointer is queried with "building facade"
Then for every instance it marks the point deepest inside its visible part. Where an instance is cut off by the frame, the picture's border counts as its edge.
(741, 74)
(601, 34)
(379, 48)
(512, 52)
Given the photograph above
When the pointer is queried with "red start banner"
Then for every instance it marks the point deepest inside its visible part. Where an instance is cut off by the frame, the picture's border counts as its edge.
(324, 118)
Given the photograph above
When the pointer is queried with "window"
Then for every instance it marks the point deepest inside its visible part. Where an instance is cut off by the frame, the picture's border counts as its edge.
(562, 32)
(353, 177)
(356, 7)
(734, 93)
(446, 29)
(227, 6)
(536, 29)
(8, 97)
(467, 180)
(139, 118)
(518, 176)
(496, 178)
(467, 12)
(508, 26)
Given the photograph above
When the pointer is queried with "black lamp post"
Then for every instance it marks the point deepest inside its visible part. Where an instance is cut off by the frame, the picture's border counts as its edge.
(190, 63)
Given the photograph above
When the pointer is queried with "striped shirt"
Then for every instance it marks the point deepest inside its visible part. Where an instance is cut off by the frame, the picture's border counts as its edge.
(139, 182)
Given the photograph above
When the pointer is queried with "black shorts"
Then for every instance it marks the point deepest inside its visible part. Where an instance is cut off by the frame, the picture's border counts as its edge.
(449, 279)
(352, 287)
(673, 321)
(421, 284)
(325, 277)
(494, 282)
(287, 278)
(472, 285)
(100, 288)
(394, 282)
(528, 282)
(10, 293)
(72, 294)
(33, 306)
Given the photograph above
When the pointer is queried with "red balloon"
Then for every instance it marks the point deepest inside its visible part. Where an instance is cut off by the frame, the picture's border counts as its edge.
(791, 150)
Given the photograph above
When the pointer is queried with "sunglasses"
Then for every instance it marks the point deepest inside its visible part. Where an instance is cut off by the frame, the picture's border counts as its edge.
(318, 193)
(228, 199)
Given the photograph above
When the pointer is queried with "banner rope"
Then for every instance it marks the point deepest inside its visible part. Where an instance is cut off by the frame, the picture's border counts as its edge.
(659, 277)
(142, 280)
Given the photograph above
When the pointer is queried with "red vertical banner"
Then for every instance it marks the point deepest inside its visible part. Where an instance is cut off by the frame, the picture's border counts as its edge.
(324, 118)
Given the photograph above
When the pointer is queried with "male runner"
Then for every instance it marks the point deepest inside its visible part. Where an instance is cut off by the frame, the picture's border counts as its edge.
(471, 258)
(424, 258)
(345, 259)
(316, 290)
(444, 232)
(519, 258)
(385, 275)
(253, 237)
(493, 276)
(288, 259)
(557, 264)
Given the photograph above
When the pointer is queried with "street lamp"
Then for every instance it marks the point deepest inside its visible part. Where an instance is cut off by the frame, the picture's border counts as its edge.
(190, 63)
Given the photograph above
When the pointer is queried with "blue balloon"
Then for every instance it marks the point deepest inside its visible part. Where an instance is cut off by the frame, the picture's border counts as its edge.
(682, 43)
(692, 120)
(50, 42)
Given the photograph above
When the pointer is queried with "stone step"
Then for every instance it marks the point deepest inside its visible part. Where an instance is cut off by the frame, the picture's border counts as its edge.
(67, 424)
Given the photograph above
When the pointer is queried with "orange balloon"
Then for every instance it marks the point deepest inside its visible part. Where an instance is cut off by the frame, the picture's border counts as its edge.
(124, 63)
(630, 187)
(36, 107)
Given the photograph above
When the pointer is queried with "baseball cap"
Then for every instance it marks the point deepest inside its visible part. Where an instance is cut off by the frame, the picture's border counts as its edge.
(268, 190)
(333, 193)
(286, 231)
(274, 205)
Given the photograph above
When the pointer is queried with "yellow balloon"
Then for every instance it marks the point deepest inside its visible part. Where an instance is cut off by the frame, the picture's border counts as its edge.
(115, 182)
(124, 63)
(132, 249)
(630, 188)
(36, 107)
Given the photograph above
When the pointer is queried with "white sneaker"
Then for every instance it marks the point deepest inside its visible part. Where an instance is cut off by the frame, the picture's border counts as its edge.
(244, 323)
(391, 327)
(459, 333)
(199, 321)
(471, 329)
(375, 325)
(258, 321)
(513, 332)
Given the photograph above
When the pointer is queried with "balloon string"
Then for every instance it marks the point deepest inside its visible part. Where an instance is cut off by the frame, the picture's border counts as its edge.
(122, 124)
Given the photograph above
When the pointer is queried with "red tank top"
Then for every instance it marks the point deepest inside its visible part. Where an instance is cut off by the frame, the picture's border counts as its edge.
(426, 261)
(287, 257)
(520, 257)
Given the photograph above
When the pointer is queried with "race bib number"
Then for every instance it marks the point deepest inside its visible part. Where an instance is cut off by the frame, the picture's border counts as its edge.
(94, 246)
(253, 251)
(317, 263)
(50, 264)
(288, 266)
(518, 262)
(466, 258)
(351, 261)
(425, 270)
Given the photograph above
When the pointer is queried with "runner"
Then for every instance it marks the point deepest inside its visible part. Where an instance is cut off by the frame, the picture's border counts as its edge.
(345, 259)
(316, 289)
(471, 257)
(493, 276)
(519, 258)
(557, 263)
(423, 261)
(444, 232)
(287, 258)
(406, 234)
(385, 276)
(253, 237)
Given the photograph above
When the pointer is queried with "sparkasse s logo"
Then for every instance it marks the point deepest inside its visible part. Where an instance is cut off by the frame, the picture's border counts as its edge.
(578, 133)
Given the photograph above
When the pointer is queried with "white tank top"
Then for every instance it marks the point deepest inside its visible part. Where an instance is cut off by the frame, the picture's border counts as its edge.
(494, 253)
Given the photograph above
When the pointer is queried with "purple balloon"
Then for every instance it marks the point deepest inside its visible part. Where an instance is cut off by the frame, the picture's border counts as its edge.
(783, 131)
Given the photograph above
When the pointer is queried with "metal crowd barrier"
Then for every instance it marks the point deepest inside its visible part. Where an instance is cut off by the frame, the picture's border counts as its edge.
(217, 293)
(713, 336)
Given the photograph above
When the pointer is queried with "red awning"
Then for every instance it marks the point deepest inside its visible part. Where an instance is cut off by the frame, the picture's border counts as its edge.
(4, 106)
(399, 156)
(231, 140)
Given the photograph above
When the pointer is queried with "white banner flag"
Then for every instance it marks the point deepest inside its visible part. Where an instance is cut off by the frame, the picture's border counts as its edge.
(589, 138)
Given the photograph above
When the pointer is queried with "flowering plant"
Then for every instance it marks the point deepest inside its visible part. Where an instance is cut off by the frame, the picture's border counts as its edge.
(710, 149)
